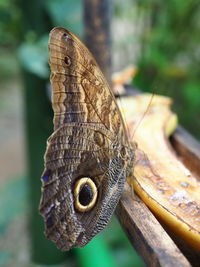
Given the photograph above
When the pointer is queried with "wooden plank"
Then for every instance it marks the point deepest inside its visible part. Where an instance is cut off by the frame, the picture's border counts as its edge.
(146, 234)
(188, 149)
(192, 255)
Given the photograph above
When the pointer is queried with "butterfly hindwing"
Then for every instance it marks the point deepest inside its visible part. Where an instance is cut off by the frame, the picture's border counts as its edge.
(74, 151)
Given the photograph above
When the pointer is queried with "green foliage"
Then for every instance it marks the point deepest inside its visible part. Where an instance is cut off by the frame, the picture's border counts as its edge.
(10, 16)
(122, 250)
(66, 13)
(8, 65)
(33, 51)
(170, 55)
(33, 56)
(10, 32)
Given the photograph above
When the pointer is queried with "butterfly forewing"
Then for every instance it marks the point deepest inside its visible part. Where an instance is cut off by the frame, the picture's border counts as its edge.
(88, 152)
(83, 80)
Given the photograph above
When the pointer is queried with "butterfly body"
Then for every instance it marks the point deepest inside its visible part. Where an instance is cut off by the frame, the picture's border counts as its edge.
(88, 156)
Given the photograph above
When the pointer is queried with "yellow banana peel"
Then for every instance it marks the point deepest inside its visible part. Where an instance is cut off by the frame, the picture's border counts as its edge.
(161, 180)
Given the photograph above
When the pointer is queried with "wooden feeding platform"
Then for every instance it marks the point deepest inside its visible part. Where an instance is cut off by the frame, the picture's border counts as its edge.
(163, 223)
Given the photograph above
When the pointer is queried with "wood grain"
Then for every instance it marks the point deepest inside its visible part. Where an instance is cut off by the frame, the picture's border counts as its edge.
(146, 234)
(188, 149)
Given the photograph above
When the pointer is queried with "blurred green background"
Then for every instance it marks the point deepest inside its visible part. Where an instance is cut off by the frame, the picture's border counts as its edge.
(160, 37)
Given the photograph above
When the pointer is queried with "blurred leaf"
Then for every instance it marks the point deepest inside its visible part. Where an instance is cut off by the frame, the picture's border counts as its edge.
(66, 13)
(10, 27)
(191, 91)
(123, 251)
(8, 65)
(33, 57)
(170, 57)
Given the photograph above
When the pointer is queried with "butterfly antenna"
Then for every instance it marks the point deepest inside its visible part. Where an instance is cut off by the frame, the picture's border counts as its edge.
(120, 104)
(144, 114)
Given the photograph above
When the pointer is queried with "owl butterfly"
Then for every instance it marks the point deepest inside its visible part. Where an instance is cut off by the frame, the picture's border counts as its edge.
(88, 156)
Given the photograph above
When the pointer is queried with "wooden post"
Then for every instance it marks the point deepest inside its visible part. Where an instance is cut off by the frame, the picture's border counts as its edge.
(97, 18)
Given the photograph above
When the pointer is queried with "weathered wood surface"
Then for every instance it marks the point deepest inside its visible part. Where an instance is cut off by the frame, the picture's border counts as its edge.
(146, 234)
(187, 148)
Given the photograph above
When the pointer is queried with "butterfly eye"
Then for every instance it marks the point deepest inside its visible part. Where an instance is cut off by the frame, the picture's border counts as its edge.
(85, 194)
(67, 60)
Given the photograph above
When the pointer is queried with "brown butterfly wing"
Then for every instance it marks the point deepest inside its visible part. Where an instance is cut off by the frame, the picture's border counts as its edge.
(80, 91)
(89, 141)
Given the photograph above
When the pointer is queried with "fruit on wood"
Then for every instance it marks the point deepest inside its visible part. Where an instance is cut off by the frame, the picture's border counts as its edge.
(119, 79)
(167, 187)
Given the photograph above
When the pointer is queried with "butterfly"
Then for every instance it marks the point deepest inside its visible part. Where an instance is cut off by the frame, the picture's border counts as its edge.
(88, 156)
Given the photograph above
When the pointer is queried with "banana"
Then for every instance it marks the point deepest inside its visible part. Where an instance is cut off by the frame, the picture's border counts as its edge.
(161, 180)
